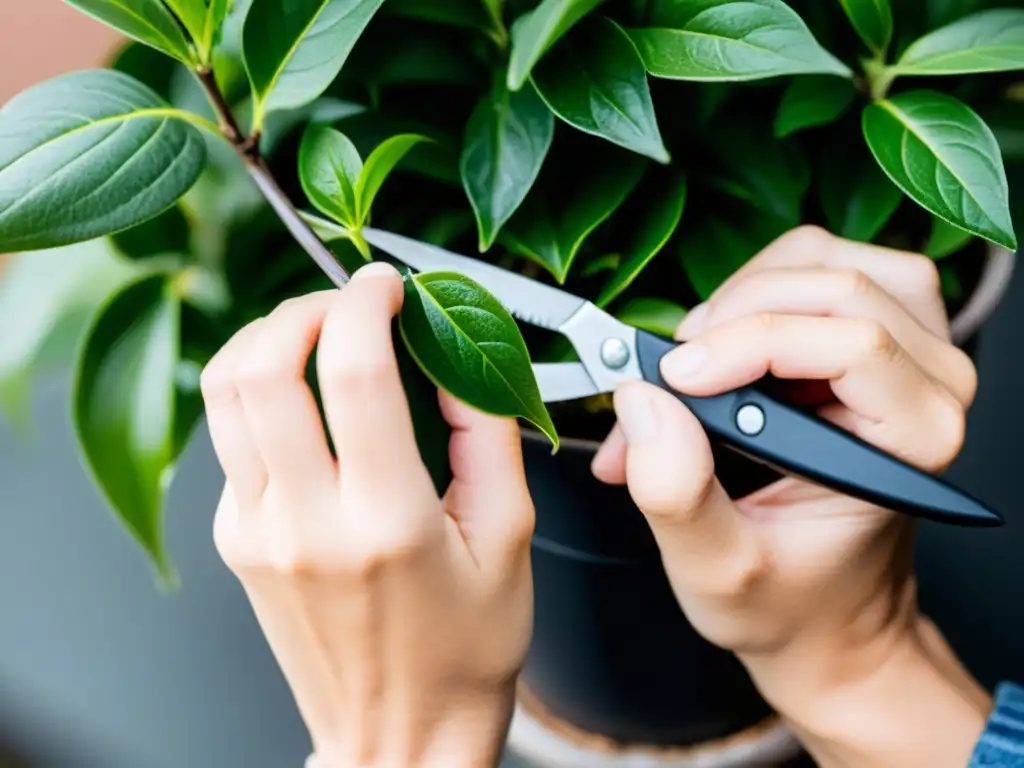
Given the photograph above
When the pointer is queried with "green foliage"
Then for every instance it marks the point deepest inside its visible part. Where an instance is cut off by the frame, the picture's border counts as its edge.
(637, 151)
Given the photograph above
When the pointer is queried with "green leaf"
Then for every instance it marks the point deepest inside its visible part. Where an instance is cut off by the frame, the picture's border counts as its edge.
(294, 49)
(730, 40)
(149, 66)
(950, 284)
(535, 32)
(650, 232)
(595, 81)
(945, 239)
(812, 101)
(329, 170)
(507, 139)
(124, 407)
(718, 247)
(203, 19)
(552, 226)
(147, 21)
(88, 154)
(857, 197)
(168, 233)
(379, 165)
(941, 154)
(656, 315)
(989, 41)
(873, 21)
(469, 345)
(942, 12)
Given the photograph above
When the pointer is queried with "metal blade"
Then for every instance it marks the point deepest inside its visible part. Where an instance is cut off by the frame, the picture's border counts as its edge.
(563, 381)
(530, 301)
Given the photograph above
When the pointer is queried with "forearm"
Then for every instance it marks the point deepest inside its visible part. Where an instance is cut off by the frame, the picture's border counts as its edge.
(904, 701)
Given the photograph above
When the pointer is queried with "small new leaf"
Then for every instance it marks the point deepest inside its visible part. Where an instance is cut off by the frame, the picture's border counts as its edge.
(873, 21)
(535, 32)
(945, 239)
(329, 170)
(378, 167)
(941, 154)
(596, 82)
(89, 154)
(733, 40)
(147, 21)
(812, 101)
(470, 346)
(990, 41)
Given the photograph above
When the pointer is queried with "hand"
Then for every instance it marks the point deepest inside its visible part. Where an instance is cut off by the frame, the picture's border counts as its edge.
(400, 620)
(813, 590)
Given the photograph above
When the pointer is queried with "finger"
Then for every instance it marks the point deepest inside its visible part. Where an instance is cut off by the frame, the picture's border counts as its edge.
(364, 400)
(488, 496)
(279, 406)
(912, 279)
(705, 542)
(609, 464)
(845, 292)
(229, 431)
(867, 369)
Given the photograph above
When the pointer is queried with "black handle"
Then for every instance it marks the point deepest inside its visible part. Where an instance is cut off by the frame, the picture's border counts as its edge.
(803, 445)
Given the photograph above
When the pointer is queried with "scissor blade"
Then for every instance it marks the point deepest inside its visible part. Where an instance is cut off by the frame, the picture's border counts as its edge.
(563, 381)
(530, 301)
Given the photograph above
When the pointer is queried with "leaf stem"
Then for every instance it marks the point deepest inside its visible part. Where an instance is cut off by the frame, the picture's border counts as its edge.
(880, 77)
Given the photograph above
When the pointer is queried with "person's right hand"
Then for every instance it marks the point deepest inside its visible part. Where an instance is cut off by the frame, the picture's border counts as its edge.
(813, 590)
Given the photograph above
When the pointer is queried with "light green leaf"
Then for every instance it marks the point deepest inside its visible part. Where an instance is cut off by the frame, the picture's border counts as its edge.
(655, 315)
(329, 170)
(857, 197)
(124, 407)
(379, 165)
(945, 239)
(535, 32)
(203, 19)
(812, 101)
(941, 154)
(649, 233)
(551, 227)
(733, 40)
(88, 154)
(595, 81)
(147, 21)
(507, 140)
(989, 41)
(294, 49)
(469, 345)
(873, 21)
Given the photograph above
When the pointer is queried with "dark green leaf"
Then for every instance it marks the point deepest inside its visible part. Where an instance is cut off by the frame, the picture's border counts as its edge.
(730, 40)
(168, 233)
(387, 56)
(470, 14)
(595, 81)
(717, 248)
(649, 233)
(945, 239)
(812, 101)
(124, 407)
(379, 165)
(469, 345)
(535, 32)
(873, 21)
(857, 197)
(329, 170)
(149, 66)
(658, 316)
(989, 41)
(147, 21)
(941, 154)
(1007, 123)
(294, 50)
(88, 154)
(507, 139)
(950, 284)
(943, 12)
(609, 262)
(325, 110)
(551, 227)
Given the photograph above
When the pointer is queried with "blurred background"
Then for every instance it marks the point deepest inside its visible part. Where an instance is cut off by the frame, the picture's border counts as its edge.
(98, 668)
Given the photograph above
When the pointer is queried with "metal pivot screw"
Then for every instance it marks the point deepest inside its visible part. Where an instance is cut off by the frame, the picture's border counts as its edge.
(750, 419)
(614, 353)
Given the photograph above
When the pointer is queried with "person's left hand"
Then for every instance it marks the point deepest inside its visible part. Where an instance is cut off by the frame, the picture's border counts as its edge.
(400, 620)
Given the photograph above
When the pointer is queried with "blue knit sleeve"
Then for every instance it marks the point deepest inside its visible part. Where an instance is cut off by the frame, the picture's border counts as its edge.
(1002, 743)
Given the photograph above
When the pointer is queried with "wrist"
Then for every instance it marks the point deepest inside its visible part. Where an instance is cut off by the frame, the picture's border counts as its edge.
(903, 699)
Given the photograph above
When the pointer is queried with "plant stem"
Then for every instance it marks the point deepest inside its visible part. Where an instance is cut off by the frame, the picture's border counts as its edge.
(880, 77)
(248, 150)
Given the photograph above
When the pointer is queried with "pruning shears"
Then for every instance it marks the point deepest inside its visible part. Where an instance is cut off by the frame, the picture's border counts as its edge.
(747, 420)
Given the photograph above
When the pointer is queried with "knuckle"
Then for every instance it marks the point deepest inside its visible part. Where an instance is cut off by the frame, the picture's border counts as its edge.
(388, 548)
(950, 424)
(217, 382)
(738, 577)
(963, 376)
(259, 372)
(872, 340)
(808, 239)
(854, 282)
(923, 273)
(353, 376)
(766, 323)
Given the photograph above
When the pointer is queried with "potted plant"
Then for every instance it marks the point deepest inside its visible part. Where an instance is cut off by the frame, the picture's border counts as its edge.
(636, 151)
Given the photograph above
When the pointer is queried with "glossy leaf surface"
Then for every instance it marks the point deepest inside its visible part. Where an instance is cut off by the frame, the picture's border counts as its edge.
(468, 344)
(595, 81)
(873, 21)
(329, 170)
(941, 154)
(655, 315)
(378, 167)
(812, 101)
(89, 154)
(147, 21)
(535, 32)
(945, 239)
(989, 41)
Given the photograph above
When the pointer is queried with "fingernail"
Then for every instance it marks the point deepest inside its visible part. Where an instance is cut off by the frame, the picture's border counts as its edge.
(635, 410)
(694, 322)
(375, 269)
(683, 363)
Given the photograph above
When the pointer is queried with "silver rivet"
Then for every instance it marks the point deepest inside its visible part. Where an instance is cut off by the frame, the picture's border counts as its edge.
(614, 353)
(750, 419)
